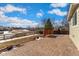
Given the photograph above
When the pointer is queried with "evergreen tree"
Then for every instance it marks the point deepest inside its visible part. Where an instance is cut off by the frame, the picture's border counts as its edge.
(48, 27)
(48, 24)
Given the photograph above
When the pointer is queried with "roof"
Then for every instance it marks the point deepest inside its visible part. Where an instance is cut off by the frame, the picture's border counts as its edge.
(72, 9)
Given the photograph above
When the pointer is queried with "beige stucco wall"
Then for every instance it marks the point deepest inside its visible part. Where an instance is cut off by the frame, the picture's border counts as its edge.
(74, 31)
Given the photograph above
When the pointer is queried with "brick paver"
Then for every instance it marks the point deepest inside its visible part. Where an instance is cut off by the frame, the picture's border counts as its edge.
(59, 45)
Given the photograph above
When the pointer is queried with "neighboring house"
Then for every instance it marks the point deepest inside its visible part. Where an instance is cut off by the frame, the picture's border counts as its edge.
(73, 18)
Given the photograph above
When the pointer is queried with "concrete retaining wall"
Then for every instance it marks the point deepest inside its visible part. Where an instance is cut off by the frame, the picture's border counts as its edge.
(15, 41)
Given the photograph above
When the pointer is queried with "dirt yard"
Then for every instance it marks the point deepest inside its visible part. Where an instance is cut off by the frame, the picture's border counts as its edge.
(60, 45)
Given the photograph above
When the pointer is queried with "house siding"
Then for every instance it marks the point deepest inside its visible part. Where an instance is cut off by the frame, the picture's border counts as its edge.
(74, 31)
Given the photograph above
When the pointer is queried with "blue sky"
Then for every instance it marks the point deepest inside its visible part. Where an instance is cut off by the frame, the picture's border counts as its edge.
(31, 14)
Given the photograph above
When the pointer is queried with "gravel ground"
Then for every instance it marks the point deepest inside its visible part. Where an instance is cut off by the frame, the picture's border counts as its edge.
(60, 45)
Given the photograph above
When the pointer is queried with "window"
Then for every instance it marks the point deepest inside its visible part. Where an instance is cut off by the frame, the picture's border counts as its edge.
(75, 18)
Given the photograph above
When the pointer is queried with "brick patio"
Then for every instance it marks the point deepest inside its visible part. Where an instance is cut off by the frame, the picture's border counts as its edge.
(60, 45)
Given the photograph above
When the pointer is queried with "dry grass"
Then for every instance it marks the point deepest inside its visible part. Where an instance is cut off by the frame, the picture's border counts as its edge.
(57, 46)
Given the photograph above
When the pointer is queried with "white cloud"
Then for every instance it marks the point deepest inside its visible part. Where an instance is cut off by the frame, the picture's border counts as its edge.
(11, 8)
(58, 4)
(17, 22)
(58, 12)
(40, 13)
(22, 23)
